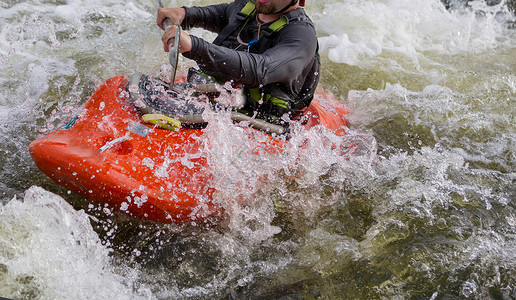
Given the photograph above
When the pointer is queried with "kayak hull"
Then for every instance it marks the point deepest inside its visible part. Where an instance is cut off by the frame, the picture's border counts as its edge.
(106, 153)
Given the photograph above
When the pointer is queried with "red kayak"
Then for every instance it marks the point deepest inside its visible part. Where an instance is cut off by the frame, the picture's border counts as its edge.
(107, 153)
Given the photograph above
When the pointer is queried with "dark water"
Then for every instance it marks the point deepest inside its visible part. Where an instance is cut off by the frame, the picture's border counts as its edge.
(427, 212)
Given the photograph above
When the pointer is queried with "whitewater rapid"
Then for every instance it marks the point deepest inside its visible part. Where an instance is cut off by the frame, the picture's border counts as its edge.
(427, 211)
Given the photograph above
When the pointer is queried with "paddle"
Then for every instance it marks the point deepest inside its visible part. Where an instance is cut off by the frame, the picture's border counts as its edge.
(173, 50)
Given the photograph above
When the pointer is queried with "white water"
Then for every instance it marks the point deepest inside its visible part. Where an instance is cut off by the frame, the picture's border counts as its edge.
(51, 251)
(430, 215)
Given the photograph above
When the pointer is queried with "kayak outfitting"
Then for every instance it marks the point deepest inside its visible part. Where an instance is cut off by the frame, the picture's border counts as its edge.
(109, 153)
(162, 121)
(189, 114)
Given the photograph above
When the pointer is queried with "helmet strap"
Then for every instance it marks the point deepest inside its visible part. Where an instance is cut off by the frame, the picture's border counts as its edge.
(287, 7)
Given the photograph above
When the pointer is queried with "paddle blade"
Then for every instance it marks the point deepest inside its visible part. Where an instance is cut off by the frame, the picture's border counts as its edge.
(173, 54)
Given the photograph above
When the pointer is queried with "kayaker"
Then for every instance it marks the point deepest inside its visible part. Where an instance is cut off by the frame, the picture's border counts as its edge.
(269, 47)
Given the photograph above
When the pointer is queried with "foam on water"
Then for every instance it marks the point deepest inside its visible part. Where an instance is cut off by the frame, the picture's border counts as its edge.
(440, 115)
(358, 31)
(50, 251)
(430, 215)
(53, 54)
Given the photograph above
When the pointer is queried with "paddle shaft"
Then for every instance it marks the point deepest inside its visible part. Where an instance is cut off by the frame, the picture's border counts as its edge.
(173, 49)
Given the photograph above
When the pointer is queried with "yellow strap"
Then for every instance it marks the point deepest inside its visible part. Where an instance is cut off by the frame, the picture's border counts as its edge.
(256, 95)
(279, 102)
(162, 121)
(248, 8)
(279, 23)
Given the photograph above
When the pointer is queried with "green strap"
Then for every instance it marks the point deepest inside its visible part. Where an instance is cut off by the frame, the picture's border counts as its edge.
(278, 24)
(248, 8)
(162, 121)
(277, 101)
(256, 95)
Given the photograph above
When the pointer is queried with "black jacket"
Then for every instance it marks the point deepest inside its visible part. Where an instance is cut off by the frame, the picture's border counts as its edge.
(286, 64)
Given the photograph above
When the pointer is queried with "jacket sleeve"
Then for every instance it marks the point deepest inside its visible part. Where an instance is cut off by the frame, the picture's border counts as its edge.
(291, 51)
(213, 17)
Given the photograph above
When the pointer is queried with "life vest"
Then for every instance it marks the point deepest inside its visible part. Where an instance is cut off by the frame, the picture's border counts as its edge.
(271, 99)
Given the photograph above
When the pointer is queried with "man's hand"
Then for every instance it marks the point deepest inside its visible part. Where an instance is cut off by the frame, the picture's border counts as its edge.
(173, 14)
(169, 37)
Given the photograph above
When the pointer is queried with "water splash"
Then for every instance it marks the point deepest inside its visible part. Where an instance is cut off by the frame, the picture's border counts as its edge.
(438, 115)
(430, 215)
(358, 31)
(49, 250)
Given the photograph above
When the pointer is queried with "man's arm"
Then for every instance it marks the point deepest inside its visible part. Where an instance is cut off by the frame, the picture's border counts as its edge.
(283, 63)
(212, 18)
(176, 14)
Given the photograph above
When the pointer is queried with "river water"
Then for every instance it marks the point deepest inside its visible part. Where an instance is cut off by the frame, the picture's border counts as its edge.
(427, 211)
